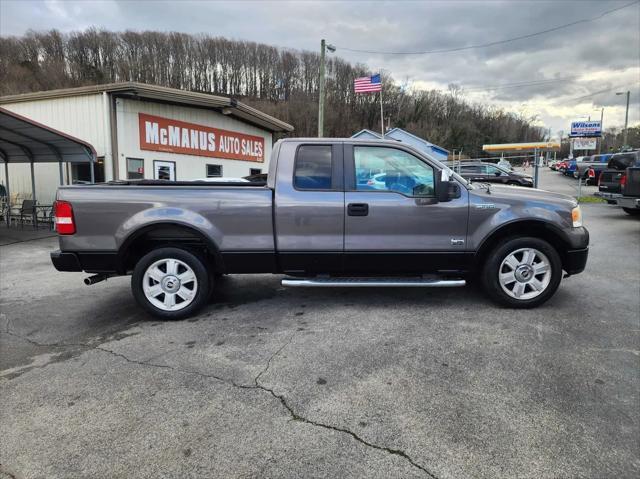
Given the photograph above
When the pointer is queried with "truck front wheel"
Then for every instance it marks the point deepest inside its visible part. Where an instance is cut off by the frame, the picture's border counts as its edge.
(170, 283)
(522, 272)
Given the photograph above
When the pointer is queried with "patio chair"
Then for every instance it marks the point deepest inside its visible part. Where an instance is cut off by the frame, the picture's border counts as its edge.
(27, 212)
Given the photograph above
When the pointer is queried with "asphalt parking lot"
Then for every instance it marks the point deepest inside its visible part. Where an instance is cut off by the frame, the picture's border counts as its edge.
(275, 382)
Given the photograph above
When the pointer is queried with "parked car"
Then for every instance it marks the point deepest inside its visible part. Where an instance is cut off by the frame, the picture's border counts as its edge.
(630, 199)
(572, 165)
(613, 178)
(553, 164)
(598, 163)
(562, 166)
(315, 223)
(488, 173)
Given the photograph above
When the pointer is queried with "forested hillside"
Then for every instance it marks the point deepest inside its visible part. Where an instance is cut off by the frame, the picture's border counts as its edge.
(281, 82)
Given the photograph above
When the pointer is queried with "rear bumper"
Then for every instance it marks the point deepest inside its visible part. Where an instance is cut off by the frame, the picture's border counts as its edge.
(65, 261)
(606, 195)
(100, 262)
(575, 260)
(628, 202)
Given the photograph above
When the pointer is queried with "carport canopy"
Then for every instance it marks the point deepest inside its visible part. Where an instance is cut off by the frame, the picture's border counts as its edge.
(23, 140)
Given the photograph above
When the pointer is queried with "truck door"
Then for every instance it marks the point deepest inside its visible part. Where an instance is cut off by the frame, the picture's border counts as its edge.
(309, 208)
(397, 225)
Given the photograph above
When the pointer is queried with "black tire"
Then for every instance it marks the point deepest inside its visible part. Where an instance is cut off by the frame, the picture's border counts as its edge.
(632, 211)
(491, 270)
(612, 202)
(201, 285)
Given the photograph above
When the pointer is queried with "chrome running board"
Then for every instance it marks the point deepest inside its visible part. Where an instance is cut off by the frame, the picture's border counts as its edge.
(367, 282)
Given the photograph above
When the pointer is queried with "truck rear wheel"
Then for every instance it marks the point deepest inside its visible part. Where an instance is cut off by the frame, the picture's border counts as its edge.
(522, 272)
(170, 283)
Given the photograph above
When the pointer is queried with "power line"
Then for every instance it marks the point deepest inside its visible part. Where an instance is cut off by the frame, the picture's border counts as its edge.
(519, 84)
(499, 42)
(601, 91)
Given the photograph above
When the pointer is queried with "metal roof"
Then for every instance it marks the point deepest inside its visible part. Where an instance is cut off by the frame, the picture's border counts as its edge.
(228, 106)
(530, 146)
(23, 141)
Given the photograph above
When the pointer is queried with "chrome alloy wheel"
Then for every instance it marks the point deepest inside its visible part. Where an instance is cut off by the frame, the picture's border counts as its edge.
(170, 284)
(525, 273)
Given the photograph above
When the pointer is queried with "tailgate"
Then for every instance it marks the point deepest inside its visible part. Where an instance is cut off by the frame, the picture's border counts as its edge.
(610, 181)
(632, 186)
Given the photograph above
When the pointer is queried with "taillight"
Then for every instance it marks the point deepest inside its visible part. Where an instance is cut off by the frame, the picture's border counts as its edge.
(63, 211)
(623, 179)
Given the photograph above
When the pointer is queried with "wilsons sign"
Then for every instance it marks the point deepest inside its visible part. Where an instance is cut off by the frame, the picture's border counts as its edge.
(174, 136)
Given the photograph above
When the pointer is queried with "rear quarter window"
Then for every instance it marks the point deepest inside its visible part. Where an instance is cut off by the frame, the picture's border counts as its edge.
(313, 168)
(622, 162)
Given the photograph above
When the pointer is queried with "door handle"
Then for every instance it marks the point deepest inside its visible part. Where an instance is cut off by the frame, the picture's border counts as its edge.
(357, 209)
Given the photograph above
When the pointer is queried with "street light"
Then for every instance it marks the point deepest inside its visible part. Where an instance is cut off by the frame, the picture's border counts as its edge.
(323, 46)
(626, 116)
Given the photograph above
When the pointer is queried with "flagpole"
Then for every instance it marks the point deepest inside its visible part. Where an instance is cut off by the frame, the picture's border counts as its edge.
(381, 112)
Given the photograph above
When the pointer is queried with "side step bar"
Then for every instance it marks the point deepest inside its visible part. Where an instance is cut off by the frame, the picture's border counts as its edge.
(419, 282)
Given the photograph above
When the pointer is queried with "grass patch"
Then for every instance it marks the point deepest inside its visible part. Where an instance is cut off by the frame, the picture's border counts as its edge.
(591, 199)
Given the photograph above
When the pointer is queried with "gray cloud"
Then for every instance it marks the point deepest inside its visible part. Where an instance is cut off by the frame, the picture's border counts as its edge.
(604, 53)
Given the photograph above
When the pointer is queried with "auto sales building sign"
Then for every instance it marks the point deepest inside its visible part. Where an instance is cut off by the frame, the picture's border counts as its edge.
(586, 129)
(174, 136)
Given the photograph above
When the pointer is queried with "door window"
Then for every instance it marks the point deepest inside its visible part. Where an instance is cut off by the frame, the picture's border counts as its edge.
(470, 170)
(313, 168)
(390, 169)
(492, 170)
(164, 170)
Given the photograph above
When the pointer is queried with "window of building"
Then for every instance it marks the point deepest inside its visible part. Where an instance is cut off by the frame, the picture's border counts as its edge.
(390, 169)
(135, 168)
(313, 167)
(81, 172)
(254, 171)
(214, 171)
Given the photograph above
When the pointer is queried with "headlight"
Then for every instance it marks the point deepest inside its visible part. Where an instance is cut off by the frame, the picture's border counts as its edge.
(576, 217)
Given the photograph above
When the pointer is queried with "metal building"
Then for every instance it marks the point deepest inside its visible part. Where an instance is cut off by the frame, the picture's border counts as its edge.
(146, 131)
(404, 136)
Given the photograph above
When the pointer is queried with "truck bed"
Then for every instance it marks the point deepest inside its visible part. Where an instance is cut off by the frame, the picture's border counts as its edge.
(237, 217)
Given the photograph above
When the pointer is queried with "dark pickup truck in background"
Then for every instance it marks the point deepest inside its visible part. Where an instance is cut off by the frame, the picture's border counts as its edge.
(630, 199)
(614, 177)
(333, 212)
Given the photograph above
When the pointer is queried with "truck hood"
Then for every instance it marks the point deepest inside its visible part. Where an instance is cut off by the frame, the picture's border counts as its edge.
(518, 194)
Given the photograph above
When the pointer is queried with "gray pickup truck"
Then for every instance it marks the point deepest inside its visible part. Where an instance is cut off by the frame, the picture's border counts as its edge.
(323, 218)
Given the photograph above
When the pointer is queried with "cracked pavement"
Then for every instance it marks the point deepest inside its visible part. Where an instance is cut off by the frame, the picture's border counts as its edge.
(270, 382)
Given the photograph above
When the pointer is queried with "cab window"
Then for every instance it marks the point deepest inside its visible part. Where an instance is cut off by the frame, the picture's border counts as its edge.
(313, 168)
(388, 169)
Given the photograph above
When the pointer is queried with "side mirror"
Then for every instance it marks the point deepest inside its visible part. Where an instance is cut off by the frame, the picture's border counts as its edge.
(448, 190)
(497, 173)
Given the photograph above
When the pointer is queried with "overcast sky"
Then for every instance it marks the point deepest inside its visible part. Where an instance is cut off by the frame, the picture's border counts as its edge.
(588, 57)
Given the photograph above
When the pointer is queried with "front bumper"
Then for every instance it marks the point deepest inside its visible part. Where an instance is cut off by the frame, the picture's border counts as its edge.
(628, 202)
(575, 260)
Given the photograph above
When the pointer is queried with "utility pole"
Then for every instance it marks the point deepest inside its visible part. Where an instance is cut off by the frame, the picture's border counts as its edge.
(626, 119)
(321, 93)
(601, 130)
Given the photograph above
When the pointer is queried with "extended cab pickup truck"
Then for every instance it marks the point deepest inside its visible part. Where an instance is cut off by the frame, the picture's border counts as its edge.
(322, 221)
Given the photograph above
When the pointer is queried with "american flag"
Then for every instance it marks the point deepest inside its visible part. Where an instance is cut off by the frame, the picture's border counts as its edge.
(368, 84)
